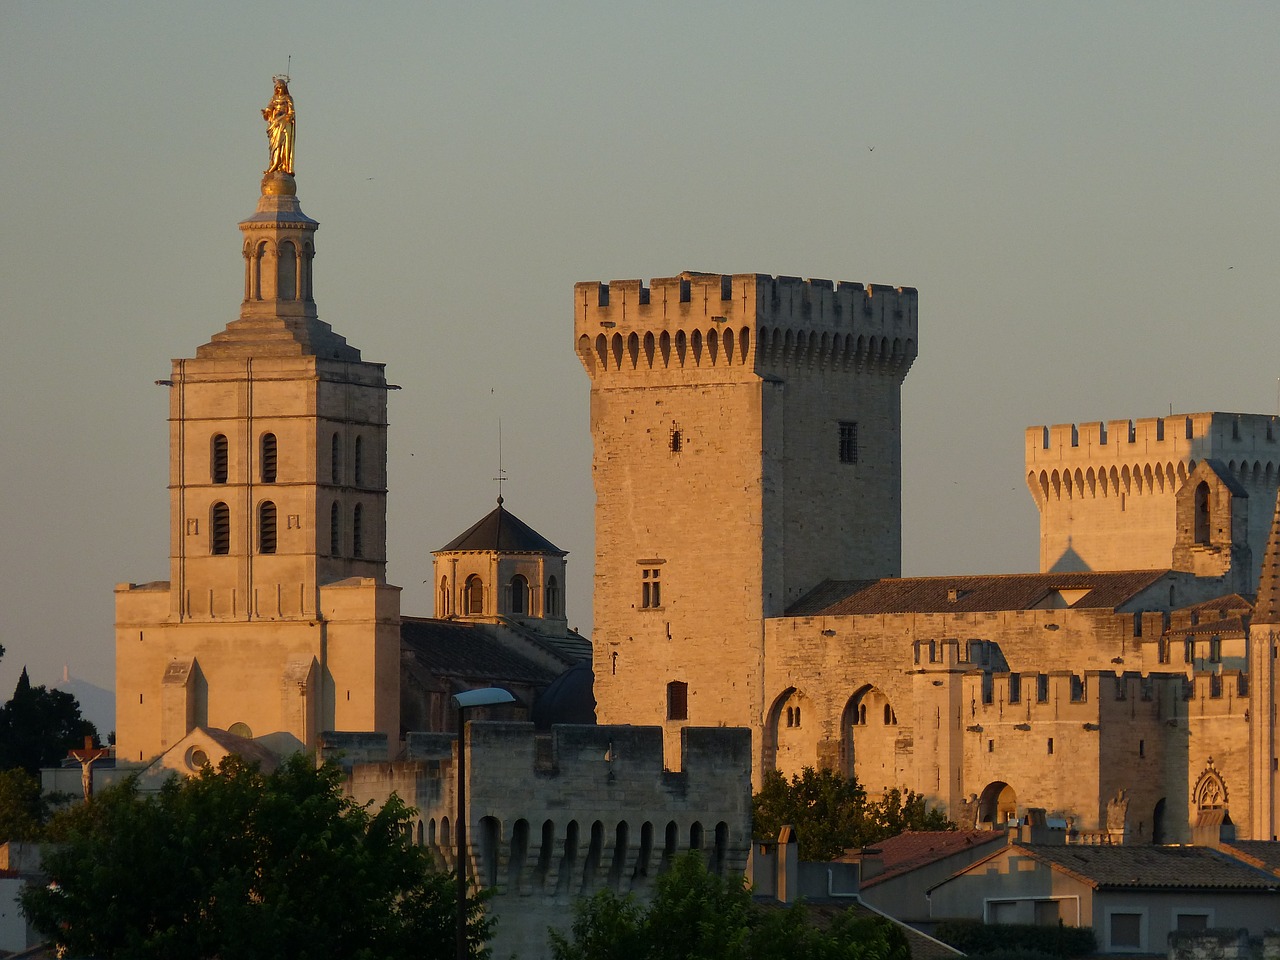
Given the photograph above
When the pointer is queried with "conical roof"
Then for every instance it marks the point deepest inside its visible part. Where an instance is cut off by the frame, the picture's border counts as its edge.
(1267, 609)
(501, 532)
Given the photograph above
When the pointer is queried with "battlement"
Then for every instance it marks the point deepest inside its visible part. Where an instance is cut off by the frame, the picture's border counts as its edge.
(748, 321)
(1230, 437)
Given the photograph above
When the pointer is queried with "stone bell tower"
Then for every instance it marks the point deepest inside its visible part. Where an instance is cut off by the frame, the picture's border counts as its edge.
(277, 619)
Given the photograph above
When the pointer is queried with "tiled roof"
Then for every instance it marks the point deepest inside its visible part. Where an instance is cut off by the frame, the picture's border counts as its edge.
(1145, 867)
(919, 848)
(501, 532)
(1259, 853)
(970, 594)
(465, 649)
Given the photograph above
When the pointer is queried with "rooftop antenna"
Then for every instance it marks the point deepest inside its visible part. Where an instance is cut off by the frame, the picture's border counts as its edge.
(501, 478)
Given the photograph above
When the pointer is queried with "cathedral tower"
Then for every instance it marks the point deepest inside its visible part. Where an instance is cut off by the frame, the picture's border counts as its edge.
(276, 619)
(747, 436)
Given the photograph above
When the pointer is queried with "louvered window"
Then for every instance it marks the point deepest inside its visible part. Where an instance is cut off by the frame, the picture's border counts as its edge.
(358, 464)
(335, 531)
(357, 532)
(268, 458)
(267, 527)
(335, 459)
(220, 526)
(219, 458)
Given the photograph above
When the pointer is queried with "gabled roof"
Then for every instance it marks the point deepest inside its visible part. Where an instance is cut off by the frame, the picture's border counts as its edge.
(1106, 590)
(1146, 867)
(919, 848)
(501, 532)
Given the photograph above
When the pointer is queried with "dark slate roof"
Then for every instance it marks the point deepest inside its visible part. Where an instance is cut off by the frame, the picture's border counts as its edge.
(501, 532)
(462, 649)
(569, 699)
(1011, 591)
(1144, 867)
(1267, 609)
(571, 648)
(919, 848)
(1259, 853)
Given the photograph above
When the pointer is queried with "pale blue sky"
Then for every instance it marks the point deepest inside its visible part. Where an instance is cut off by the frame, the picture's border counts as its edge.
(1084, 195)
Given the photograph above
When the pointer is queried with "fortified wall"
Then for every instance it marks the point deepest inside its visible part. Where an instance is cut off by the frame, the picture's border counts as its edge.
(552, 817)
(1106, 490)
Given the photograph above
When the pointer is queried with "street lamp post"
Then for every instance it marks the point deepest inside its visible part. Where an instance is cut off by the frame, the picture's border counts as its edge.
(486, 697)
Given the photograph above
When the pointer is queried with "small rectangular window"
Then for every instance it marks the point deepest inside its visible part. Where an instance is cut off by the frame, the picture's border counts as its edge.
(1077, 689)
(848, 441)
(677, 439)
(1192, 921)
(1050, 745)
(991, 746)
(1015, 688)
(677, 700)
(1126, 930)
(1042, 688)
(1142, 748)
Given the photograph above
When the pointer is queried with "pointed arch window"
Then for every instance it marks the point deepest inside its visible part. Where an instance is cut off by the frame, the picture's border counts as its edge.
(335, 459)
(357, 531)
(267, 527)
(269, 458)
(519, 601)
(473, 595)
(335, 530)
(218, 458)
(1202, 512)
(220, 529)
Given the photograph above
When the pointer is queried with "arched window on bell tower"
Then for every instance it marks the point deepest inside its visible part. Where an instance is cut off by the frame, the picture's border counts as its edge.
(446, 601)
(473, 595)
(519, 594)
(267, 527)
(287, 271)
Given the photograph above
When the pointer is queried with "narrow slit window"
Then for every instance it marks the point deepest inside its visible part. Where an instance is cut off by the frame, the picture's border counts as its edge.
(357, 531)
(677, 700)
(335, 530)
(335, 459)
(357, 458)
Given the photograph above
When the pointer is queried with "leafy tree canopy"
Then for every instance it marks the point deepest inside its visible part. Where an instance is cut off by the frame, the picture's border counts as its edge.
(22, 808)
(38, 727)
(696, 915)
(832, 813)
(237, 863)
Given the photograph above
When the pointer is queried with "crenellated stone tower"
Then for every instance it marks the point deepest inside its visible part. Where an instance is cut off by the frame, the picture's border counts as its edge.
(277, 619)
(747, 435)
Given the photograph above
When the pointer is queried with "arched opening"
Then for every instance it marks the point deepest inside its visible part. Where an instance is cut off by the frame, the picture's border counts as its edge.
(619, 858)
(553, 598)
(1202, 512)
(473, 595)
(595, 852)
(335, 459)
(357, 531)
(518, 854)
(490, 837)
(335, 530)
(772, 723)
(518, 602)
(1159, 831)
(287, 272)
(218, 458)
(268, 458)
(569, 857)
(357, 461)
(998, 804)
(545, 851)
(220, 529)
(443, 602)
(645, 853)
(266, 527)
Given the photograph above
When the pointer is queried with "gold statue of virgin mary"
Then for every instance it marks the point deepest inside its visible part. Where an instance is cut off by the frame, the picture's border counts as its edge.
(280, 128)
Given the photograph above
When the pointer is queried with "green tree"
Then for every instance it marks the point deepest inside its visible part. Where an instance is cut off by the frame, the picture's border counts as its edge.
(832, 813)
(38, 727)
(22, 808)
(237, 863)
(696, 915)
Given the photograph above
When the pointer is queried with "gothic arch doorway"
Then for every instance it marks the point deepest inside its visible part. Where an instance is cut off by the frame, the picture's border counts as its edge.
(998, 804)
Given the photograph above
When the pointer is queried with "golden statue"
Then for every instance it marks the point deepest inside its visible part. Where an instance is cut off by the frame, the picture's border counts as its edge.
(280, 128)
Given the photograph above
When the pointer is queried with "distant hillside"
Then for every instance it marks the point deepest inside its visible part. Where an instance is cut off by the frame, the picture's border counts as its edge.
(97, 704)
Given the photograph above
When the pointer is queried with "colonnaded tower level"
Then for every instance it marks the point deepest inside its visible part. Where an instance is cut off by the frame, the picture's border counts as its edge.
(276, 621)
(747, 437)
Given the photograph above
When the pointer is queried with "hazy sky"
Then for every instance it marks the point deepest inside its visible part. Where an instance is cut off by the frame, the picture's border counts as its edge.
(1084, 195)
